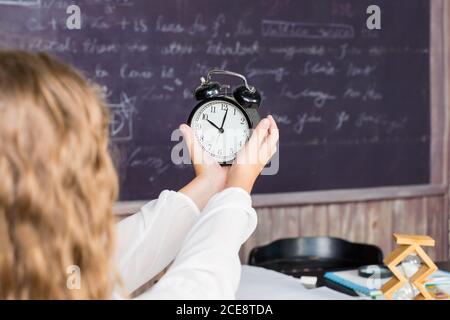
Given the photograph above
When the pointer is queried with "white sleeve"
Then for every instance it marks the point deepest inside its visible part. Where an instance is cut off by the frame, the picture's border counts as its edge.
(208, 266)
(150, 239)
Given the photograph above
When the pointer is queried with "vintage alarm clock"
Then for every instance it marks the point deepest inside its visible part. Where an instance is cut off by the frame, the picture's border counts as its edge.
(223, 122)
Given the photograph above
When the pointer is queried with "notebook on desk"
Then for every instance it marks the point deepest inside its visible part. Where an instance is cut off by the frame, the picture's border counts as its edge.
(350, 279)
(366, 286)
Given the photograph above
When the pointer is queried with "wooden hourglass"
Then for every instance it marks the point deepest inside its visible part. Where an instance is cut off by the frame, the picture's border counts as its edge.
(409, 244)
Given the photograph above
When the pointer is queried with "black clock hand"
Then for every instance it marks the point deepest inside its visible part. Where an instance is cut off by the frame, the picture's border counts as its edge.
(212, 123)
(224, 117)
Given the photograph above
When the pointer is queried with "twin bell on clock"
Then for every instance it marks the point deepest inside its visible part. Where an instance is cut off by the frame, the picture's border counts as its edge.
(222, 121)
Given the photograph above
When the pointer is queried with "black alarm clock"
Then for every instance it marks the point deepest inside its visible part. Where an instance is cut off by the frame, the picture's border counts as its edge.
(223, 122)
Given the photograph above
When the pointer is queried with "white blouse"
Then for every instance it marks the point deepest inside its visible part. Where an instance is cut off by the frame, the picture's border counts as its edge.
(203, 246)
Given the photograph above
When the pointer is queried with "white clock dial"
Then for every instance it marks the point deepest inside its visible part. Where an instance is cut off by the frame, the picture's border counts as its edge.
(221, 128)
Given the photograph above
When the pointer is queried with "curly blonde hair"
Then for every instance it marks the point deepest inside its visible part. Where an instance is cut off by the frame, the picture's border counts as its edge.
(57, 182)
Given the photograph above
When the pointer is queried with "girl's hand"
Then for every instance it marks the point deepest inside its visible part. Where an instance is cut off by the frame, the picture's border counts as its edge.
(210, 175)
(204, 164)
(257, 152)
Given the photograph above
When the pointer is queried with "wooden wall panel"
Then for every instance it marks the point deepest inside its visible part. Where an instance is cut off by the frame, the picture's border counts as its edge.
(367, 222)
(435, 209)
(447, 115)
(438, 151)
(380, 224)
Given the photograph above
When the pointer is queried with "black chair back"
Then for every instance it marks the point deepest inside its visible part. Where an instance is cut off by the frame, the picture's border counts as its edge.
(314, 255)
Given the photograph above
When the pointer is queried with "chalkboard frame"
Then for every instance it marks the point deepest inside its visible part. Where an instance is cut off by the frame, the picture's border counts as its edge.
(440, 20)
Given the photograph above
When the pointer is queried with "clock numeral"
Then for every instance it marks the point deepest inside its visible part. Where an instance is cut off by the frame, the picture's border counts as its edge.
(202, 138)
(213, 109)
(234, 111)
(242, 120)
(224, 107)
(204, 116)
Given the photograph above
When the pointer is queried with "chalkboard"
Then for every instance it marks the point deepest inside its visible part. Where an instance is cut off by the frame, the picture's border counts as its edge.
(352, 104)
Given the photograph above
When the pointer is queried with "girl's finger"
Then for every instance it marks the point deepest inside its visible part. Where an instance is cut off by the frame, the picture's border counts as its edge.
(198, 155)
(260, 133)
(192, 144)
(274, 134)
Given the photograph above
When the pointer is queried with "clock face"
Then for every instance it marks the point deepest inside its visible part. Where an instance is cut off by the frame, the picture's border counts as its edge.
(222, 129)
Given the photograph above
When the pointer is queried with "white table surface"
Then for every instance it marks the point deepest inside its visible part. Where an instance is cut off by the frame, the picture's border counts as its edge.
(263, 284)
